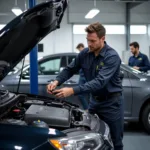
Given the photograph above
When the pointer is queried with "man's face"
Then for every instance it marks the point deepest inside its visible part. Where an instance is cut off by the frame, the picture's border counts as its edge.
(133, 50)
(94, 42)
(80, 48)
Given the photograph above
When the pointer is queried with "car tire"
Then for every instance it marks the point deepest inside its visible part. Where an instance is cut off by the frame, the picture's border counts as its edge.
(146, 118)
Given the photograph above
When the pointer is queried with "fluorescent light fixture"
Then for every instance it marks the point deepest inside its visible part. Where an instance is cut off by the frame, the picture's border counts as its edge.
(92, 13)
(17, 11)
(2, 26)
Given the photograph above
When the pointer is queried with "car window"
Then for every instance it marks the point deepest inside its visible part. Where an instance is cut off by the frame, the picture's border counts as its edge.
(50, 66)
(131, 69)
(132, 76)
(71, 58)
(125, 73)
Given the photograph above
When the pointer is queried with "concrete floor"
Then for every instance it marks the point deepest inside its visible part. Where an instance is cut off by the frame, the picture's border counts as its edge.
(135, 138)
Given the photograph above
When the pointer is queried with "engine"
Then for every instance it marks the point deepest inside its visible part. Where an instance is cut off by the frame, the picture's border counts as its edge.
(40, 112)
(53, 116)
(45, 113)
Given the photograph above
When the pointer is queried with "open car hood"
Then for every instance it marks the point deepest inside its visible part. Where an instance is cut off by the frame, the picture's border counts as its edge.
(19, 36)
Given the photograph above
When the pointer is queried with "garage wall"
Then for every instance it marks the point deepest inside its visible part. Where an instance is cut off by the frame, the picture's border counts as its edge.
(59, 40)
(110, 12)
(115, 14)
(63, 39)
(118, 42)
(141, 14)
(115, 41)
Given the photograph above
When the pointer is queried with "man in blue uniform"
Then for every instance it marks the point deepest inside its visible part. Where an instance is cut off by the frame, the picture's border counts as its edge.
(138, 61)
(101, 66)
(82, 97)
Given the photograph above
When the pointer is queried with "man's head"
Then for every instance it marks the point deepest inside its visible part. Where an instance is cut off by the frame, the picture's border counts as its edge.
(80, 47)
(134, 47)
(95, 36)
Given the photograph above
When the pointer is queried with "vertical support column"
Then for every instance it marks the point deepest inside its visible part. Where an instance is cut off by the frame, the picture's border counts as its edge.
(127, 25)
(33, 63)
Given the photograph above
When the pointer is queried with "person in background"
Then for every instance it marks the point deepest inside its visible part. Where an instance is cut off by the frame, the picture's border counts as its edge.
(138, 61)
(82, 80)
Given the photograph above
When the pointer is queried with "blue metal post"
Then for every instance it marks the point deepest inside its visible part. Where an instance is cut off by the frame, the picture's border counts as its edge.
(33, 63)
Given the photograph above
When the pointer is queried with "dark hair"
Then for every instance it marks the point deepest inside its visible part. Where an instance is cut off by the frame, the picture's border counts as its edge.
(97, 28)
(134, 44)
(80, 45)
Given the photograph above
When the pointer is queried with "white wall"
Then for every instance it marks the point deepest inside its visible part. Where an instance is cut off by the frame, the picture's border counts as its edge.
(115, 41)
(58, 41)
(118, 42)
(63, 39)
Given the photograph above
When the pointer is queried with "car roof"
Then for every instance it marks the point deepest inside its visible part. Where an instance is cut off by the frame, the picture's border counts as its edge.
(60, 54)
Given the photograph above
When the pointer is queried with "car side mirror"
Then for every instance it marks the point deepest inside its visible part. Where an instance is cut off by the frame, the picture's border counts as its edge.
(61, 69)
(121, 74)
(25, 76)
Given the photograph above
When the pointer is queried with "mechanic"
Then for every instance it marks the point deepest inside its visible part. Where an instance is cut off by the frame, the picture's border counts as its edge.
(138, 61)
(82, 80)
(101, 66)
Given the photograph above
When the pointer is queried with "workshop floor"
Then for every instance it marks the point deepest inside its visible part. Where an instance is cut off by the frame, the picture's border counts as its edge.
(135, 138)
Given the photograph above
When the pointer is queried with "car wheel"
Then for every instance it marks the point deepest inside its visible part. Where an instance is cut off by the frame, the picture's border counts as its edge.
(146, 118)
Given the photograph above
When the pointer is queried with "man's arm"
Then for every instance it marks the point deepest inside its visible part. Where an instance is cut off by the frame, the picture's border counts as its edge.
(146, 66)
(111, 64)
(69, 71)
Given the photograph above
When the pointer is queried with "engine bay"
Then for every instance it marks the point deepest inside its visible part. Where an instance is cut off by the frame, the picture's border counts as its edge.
(39, 111)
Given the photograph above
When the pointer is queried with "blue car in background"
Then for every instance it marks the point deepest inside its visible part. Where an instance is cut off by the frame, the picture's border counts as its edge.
(31, 122)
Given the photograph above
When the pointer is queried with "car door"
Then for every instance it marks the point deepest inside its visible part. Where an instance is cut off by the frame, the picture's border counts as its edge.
(48, 69)
(127, 93)
(73, 81)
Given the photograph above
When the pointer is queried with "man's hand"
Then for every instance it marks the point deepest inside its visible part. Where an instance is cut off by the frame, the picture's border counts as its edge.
(135, 67)
(52, 86)
(64, 92)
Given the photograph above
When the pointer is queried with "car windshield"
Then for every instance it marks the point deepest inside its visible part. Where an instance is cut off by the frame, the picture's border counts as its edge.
(131, 69)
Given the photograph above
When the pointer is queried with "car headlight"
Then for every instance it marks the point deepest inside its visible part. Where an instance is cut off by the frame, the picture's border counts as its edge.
(90, 141)
(107, 137)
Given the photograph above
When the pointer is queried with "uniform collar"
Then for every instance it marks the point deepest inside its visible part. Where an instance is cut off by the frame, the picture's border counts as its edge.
(103, 50)
(139, 55)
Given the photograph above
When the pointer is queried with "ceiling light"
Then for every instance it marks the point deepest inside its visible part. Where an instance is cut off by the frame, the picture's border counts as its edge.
(2, 26)
(93, 12)
(16, 10)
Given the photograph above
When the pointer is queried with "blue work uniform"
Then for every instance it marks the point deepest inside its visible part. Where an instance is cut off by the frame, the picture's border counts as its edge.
(104, 84)
(84, 96)
(140, 61)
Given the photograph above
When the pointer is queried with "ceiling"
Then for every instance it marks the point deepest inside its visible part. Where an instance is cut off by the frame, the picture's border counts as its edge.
(6, 6)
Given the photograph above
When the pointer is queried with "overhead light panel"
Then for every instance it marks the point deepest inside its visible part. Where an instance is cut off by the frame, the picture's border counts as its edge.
(16, 10)
(93, 12)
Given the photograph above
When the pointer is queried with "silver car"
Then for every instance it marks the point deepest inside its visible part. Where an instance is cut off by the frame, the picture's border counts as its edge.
(136, 85)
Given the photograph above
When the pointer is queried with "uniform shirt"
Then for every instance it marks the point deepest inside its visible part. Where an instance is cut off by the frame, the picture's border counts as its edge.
(140, 61)
(81, 73)
(101, 72)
